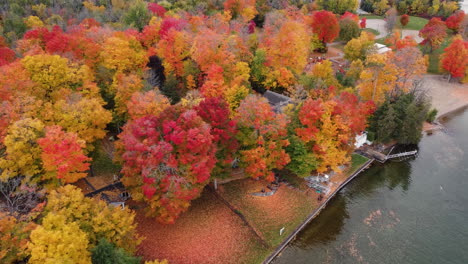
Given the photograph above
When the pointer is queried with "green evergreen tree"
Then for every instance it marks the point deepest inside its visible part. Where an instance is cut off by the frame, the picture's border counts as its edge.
(302, 162)
(411, 129)
(387, 125)
(107, 253)
(400, 118)
(349, 29)
(137, 16)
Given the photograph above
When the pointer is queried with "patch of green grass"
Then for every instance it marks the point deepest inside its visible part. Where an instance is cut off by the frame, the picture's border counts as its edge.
(415, 23)
(287, 208)
(356, 162)
(371, 30)
(258, 254)
(381, 41)
(292, 178)
(102, 163)
(434, 57)
(371, 17)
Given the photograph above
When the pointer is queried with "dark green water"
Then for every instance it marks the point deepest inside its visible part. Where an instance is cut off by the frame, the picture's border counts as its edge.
(401, 212)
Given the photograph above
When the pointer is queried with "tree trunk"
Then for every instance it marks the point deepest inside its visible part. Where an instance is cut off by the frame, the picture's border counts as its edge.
(375, 86)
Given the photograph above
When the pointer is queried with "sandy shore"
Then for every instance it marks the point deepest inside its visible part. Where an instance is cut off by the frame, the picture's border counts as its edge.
(446, 97)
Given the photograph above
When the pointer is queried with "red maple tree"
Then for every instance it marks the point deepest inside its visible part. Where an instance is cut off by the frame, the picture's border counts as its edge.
(404, 20)
(455, 58)
(62, 155)
(325, 25)
(168, 160)
(454, 22)
(433, 33)
(362, 24)
(157, 9)
(215, 111)
(7, 55)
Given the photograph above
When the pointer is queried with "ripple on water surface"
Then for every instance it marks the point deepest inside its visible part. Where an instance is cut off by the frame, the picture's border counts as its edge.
(401, 212)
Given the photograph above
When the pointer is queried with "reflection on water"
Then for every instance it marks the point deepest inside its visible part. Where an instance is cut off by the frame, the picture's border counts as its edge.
(414, 211)
(334, 221)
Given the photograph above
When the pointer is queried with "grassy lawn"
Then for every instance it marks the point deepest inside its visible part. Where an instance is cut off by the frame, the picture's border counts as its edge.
(434, 57)
(371, 17)
(381, 41)
(415, 23)
(371, 30)
(356, 162)
(292, 179)
(286, 208)
(209, 232)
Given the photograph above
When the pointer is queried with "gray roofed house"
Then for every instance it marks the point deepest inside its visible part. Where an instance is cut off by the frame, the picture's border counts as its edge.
(277, 101)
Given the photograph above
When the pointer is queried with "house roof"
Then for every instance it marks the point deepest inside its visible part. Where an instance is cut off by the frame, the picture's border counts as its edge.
(380, 48)
(276, 100)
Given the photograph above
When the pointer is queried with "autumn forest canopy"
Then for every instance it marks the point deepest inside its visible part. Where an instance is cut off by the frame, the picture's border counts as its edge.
(179, 86)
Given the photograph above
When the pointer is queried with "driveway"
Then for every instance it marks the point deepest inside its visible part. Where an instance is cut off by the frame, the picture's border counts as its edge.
(379, 25)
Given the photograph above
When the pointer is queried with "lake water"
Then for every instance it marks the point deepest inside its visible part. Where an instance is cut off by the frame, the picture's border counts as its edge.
(402, 212)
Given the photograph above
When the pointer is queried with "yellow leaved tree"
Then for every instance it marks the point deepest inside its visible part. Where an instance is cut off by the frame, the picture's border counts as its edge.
(123, 86)
(378, 78)
(359, 48)
(58, 241)
(325, 74)
(53, 76)
(94, 217)
(331, 153)
(123, 53)
(84, 116)
(22, 152)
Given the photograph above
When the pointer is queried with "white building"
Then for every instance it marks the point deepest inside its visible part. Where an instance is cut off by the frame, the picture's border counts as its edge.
(380, 48)
(361, 139)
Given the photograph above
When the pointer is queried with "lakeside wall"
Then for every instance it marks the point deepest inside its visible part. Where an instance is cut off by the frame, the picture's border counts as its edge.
(314, 213)
(447, 114)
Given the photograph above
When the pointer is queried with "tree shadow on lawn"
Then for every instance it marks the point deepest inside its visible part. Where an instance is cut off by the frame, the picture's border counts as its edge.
(287, 208)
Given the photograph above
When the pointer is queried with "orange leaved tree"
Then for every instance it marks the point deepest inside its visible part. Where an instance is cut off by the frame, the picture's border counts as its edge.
(262, 135)
(455, 58)
(62, 156)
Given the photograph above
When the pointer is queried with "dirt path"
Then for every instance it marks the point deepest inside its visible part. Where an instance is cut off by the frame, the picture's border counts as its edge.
(335, 53)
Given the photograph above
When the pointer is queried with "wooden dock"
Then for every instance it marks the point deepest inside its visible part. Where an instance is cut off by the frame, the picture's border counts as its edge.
(383, 158)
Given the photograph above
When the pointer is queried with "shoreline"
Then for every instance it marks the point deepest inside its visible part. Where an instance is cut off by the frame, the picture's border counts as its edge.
(432, 127)
(315, 213)
(450, 113)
